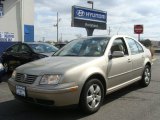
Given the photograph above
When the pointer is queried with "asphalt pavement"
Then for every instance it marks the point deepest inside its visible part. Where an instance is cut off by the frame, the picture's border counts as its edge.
(130, 103)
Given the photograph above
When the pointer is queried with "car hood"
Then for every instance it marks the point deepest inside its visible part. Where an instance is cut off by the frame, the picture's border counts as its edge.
(53, 65)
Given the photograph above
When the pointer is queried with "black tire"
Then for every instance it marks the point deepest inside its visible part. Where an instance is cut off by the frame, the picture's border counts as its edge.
(146, 77)
(97, 96)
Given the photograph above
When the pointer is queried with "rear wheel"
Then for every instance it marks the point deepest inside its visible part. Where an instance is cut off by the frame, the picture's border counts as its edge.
(146, 77)
(92, 96)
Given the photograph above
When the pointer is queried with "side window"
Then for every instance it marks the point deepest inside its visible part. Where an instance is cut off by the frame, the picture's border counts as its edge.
(119, 45)
(140, 48)
(133, 46)
(24, 48)
(13, 49)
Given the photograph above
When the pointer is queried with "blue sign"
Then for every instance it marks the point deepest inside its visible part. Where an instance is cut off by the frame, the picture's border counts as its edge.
(88, 18)
(90, 14)
(28, 33)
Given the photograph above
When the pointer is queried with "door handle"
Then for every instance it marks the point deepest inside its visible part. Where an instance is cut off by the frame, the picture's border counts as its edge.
(129, 60)
(143, 56)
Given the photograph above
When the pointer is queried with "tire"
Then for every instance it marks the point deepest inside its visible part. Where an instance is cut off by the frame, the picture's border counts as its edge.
(146, 77)
(92, 96)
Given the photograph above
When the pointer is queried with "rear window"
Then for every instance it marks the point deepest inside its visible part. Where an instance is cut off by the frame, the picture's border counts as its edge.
(43, 48)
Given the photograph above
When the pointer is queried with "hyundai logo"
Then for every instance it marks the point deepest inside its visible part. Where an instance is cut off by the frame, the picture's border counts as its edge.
(80, 13)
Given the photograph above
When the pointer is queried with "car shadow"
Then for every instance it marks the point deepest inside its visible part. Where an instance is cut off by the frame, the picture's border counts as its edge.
(17, 110)
(121, 93)
(5, 77)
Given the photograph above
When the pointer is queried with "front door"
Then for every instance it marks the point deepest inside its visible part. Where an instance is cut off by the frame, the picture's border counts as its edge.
(119, 69)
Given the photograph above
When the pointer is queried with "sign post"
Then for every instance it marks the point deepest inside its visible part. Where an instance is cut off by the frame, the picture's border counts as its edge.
(138, 29)
(89, 19)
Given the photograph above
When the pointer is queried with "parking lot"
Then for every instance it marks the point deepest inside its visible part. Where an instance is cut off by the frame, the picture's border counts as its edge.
(129, 103)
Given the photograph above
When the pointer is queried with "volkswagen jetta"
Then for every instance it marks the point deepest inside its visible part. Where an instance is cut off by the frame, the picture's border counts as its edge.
(83, 72)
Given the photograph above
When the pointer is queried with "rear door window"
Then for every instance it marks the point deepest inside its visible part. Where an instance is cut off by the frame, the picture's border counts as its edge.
(24, 48)
(140, 48)
(133, 46)
(13, 49)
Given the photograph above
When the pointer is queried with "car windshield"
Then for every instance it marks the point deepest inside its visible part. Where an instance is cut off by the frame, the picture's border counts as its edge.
(43, 48)
(85, 47)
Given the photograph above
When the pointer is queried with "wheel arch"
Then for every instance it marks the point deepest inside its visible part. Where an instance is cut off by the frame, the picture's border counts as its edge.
(149, 64)
(96, 76)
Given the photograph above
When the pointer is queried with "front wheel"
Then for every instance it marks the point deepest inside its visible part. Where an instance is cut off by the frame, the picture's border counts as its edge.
(92, 96)
(146, 77)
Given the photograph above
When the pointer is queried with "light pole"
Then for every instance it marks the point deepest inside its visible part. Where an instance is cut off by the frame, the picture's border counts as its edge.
(109, 31)
(22, 19)
(57, 25)
(91, 2)
(90, 30)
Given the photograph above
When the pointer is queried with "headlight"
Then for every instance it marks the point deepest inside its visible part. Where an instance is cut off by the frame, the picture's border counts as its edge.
(50, 79)
(14, 74)
(1, 67)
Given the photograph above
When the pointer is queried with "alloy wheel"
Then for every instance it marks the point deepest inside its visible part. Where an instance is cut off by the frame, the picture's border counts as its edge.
(147, 75)
(94, 95)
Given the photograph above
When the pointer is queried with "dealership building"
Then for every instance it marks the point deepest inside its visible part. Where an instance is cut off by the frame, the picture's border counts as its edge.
(16, 21)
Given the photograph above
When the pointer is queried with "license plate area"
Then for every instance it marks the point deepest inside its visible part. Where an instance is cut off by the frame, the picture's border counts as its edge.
(21, 90)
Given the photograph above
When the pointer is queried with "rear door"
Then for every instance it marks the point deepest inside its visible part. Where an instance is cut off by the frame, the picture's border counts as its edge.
(137, 55)
(119, 69)
(10, 56)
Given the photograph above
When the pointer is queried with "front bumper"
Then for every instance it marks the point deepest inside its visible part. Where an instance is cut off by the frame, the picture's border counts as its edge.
(54, 96)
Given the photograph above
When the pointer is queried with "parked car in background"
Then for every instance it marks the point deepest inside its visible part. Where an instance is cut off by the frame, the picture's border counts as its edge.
(83, 72)
(22, 53)
(60, 45)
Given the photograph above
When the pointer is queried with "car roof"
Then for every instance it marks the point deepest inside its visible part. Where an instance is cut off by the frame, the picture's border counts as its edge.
(107, 36)
(34, 43)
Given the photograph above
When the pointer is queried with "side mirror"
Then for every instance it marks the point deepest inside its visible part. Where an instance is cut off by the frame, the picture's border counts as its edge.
(117, 54)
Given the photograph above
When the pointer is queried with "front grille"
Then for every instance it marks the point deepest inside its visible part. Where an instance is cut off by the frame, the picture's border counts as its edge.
(24, 78)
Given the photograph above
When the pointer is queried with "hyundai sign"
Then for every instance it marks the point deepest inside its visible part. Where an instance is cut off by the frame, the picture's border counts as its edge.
(88, 18)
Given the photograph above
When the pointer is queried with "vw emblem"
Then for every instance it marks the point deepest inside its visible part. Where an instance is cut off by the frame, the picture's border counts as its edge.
(80, 13)
(24, 77)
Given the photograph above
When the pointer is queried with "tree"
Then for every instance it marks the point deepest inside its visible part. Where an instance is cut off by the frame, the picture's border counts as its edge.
(146, 42)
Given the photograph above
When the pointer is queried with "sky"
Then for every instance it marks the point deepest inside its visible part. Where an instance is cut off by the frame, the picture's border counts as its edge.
(122, 15)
